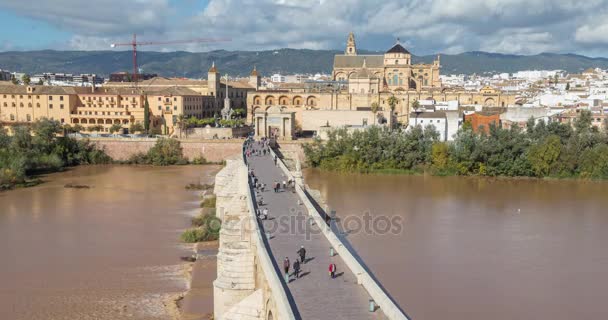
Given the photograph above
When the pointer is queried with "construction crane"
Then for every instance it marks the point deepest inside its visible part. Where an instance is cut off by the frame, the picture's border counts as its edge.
(134, 44)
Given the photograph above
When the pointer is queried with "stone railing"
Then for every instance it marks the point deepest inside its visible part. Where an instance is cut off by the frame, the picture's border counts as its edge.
(278, 293)
(364, 278)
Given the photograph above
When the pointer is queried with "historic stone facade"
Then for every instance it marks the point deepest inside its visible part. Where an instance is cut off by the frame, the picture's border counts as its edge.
(392, 71)
(362, 81)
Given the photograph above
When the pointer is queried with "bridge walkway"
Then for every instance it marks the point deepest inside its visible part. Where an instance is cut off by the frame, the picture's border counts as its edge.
(316, 294)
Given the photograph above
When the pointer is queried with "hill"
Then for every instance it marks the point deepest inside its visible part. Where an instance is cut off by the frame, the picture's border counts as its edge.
(286, 61)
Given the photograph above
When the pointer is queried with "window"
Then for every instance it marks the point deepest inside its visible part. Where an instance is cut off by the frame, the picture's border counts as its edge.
(61, 106)
(50, 106)
(175, 99)
(60, 98)
(29, 105)
(396, 61)
(159, 107)
(50, 98)
(21, 104)
(12, 117)
(62, 120)
(29, 117)
(175, 108)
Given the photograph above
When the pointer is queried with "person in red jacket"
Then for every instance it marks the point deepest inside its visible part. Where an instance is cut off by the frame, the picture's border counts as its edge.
(332, 270)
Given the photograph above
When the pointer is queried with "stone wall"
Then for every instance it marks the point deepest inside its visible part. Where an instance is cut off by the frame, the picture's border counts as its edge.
(212, 150)
(215, 133)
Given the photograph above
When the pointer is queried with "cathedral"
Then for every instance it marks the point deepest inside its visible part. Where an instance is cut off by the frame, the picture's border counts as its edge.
(392, 71)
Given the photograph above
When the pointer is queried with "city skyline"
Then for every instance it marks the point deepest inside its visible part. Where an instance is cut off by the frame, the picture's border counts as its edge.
(446, 26)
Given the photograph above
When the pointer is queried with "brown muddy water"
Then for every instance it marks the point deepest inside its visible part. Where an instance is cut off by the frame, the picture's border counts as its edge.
(108, 252)
(474, 249)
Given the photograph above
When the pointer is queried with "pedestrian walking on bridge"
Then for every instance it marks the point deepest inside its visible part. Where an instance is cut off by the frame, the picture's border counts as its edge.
(302, 254)
(296, 268)
(332, 270)
(286, 265)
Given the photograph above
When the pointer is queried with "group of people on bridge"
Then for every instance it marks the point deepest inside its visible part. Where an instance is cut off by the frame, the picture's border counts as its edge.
(253, 148)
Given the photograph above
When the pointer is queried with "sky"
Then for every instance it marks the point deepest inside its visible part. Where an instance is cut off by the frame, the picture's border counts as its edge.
(423, 26)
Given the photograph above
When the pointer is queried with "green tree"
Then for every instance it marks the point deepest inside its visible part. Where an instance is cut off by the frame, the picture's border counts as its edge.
(583, 122)
(146, 116)
(440, 156)
(115, 128)
(136, 127)
(415, 104)
(392, 103)
(14, 80)
(77, 128)
(375, 109)
(542, 156)
(166, 152)
(26, 79)
(40, 82)
(95, 128)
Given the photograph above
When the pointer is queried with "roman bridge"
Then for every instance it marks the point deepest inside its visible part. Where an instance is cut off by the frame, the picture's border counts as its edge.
(250, 282)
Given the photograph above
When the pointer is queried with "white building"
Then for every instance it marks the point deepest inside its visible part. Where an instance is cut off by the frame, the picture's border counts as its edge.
(436, 119)
(277, 78)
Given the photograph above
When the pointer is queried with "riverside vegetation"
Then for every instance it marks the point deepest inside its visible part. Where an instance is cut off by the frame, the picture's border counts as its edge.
(206, 226)
(543, 150)
(39, 147)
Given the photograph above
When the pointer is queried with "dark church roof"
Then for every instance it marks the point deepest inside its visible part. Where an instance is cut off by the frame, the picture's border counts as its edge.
(398, 48)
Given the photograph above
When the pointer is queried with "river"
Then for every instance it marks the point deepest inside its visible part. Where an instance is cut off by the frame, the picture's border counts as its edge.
(477, 248)
(108, 252)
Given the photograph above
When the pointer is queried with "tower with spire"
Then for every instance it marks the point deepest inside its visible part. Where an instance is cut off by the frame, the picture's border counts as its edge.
(213, 81)
(254, 78)
(351, 46)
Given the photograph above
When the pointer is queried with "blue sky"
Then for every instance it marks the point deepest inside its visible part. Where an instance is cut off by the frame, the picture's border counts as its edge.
(425, 26)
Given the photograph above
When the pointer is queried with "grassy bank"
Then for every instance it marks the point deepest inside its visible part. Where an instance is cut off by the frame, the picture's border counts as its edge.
(553, 150)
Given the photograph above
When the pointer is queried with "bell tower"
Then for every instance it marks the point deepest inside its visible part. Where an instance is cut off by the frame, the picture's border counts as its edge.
(351, 47)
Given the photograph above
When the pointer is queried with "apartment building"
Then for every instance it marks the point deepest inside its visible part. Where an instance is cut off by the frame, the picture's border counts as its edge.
(103, 107)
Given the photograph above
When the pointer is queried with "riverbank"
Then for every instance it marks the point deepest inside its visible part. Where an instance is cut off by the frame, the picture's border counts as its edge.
(109, 252)
(197, 302)
(553, 150)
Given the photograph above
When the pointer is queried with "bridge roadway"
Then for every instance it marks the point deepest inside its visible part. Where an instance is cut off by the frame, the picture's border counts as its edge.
(315, 294)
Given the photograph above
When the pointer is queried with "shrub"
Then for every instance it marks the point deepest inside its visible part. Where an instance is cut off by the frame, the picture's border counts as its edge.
(166, 152)
(199, 160)
(208, 202)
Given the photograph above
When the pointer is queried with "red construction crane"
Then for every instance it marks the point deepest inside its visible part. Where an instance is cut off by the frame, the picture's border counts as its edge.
(134, 44)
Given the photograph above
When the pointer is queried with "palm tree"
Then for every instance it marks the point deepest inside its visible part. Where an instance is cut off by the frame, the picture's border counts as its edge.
(415, 104)
(392, 103)
(375, 108)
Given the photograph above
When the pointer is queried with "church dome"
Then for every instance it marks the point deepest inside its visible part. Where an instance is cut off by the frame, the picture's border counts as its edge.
(398, 48)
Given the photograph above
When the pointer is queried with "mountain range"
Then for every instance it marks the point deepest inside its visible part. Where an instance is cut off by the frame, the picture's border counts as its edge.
(285, 61)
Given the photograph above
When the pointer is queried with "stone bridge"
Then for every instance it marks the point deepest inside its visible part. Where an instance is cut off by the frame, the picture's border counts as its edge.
(250, 282)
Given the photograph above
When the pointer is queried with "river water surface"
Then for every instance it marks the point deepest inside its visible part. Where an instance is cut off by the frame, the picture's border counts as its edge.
(109, 252)
(479, 249)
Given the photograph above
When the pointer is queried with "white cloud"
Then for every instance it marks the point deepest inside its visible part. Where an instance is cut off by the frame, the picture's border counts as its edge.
(427, 26)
